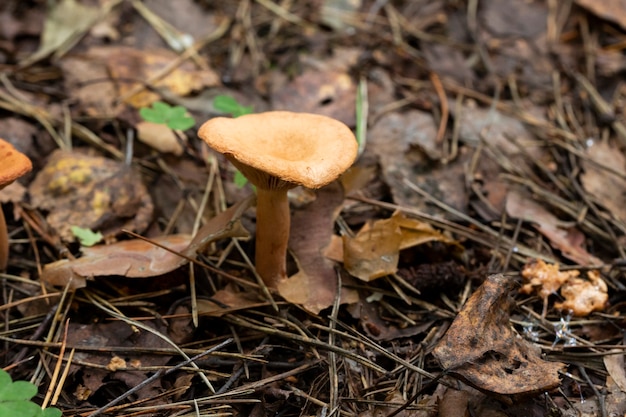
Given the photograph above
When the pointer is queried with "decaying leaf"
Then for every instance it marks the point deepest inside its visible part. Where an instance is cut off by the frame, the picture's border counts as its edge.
(607, 186)
(581, 296)
(138, 258)
(375, 250)
(614, 364)
(91, 192)
(481, 347)
(314, 286)
(568, 240)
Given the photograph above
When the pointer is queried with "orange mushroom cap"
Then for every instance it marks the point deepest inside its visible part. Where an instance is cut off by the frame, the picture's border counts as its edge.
(13, 164)
(281, 149)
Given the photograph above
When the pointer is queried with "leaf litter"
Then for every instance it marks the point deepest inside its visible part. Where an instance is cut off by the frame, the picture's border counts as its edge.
(473, 263)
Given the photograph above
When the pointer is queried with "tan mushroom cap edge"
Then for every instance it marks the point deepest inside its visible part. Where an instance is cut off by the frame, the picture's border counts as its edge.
(300, 148)
(13, 164)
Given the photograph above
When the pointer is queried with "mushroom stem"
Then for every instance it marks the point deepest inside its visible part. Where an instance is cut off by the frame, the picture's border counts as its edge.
(4, 242)
(272, 235)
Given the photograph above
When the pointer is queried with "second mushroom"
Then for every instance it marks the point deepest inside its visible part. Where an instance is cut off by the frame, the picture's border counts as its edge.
(276, 151)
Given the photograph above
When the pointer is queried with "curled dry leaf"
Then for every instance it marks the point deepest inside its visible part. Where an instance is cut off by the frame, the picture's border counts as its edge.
(138, 258)
(482, 348)
(568, 240)
(581, 296)
(314, 286)
(375, 250)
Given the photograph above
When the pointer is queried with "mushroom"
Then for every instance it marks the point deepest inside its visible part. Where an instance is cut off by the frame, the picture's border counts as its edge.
(13, 164)
(276, 151)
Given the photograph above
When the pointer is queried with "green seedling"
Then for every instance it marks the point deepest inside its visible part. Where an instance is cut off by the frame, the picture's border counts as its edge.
(15, 399)
(228, 104)
(86, 237)
(175, 117)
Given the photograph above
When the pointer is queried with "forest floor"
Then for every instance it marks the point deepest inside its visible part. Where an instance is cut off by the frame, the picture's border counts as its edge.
(470, 262)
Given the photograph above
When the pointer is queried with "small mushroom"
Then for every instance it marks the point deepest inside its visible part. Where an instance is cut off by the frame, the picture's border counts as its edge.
(13, 164)
(276, 151)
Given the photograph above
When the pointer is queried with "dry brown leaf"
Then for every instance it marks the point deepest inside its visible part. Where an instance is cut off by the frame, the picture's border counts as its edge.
(614, 363)
(568, 241)
(102, 74)
(314, 286)
(138, 258)
(611, 10)
(326, 88)
(607, 187)
(375, 250)
(482, 349)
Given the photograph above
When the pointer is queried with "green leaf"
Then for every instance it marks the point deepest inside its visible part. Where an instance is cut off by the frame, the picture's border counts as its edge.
(86, 237)
(227, 104)
(15, 399)
(240, 180)
(50, 412)
(175, 117)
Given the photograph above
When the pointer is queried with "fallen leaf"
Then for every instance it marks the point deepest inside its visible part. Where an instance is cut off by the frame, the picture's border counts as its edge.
(91, 192)
(614, 363)
(67, 21)
(611, 10)
(568, 241)
(99, 76)
(325, 87)
(482, 349)
(97, 337)
(374, 251)
(138, 258)
(315, 286)
(607, 186)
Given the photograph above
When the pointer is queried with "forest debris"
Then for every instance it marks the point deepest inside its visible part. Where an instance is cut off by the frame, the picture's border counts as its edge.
(227, 300)
(91, 192)
(99, 76)
(581, 297)
(544, 279)
(66, 22)
(374, 252)
(614, 364)
(611, 10)
(608, 186)
(568, 240)
(160, 137)
(325, 87)
(137, 258)
(482, 349)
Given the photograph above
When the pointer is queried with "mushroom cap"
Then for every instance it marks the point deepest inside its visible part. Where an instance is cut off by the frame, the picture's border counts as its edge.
(13, 164)
(281, 149)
